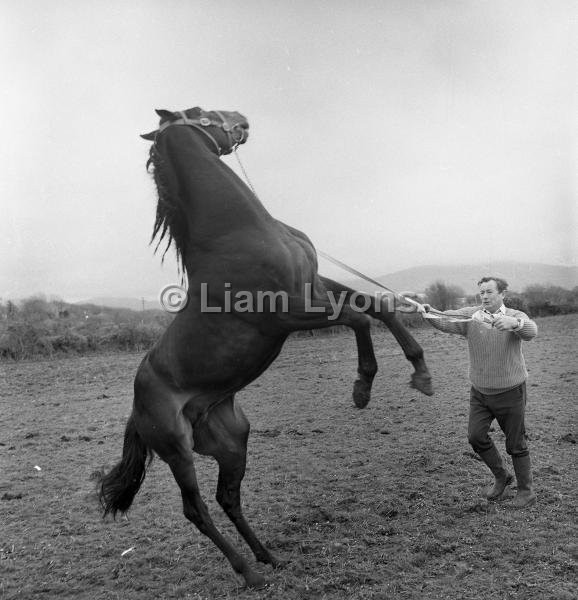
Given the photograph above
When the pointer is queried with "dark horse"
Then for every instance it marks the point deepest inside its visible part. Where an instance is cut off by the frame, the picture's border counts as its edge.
(228, 246)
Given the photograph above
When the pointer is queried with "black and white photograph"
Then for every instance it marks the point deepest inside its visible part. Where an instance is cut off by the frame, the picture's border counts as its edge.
(289, 300)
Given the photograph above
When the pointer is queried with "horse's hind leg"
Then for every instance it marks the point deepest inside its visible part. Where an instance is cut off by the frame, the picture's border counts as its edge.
(196, 511)
(174, 446)
(223, 434)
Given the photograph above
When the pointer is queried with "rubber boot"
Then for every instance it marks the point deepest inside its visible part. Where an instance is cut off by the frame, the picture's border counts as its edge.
(523, 468)
(493, 459)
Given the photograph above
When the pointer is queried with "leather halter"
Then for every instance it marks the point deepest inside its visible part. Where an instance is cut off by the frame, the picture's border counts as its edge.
(235, 133)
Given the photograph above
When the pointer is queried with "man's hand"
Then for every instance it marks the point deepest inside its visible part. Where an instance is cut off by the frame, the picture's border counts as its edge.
(505, 323)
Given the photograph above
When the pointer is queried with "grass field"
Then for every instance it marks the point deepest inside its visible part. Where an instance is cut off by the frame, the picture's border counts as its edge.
(379, 503)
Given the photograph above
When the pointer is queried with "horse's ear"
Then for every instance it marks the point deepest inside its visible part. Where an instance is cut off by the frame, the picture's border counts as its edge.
(165, 114)
(149, 136)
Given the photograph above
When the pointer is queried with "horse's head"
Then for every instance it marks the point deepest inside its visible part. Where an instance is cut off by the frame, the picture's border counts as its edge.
(226, 130)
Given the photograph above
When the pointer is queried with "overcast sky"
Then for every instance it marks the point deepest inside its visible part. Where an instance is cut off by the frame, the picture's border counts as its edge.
(395, 133)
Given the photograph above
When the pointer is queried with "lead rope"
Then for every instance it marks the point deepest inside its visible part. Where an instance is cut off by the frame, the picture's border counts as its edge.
(324, 254)
(432, 314)
(245, 173)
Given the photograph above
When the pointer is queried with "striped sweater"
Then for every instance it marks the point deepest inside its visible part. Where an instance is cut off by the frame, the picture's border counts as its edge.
(496, 360)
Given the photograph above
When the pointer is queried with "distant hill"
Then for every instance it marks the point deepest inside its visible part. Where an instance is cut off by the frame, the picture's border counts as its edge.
(518, 275)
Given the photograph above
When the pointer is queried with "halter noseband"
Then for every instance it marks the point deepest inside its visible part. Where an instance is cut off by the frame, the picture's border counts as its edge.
(235, 133)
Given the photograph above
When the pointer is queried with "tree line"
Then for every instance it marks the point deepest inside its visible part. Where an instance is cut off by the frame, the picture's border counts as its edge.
(535, 300)
(38, 327)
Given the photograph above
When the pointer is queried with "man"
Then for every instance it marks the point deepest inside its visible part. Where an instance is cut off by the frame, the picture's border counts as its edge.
(498, 376)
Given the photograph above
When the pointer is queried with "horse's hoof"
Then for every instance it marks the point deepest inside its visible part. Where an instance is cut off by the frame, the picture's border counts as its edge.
(254, 580)
(361, 395)
(422, 383)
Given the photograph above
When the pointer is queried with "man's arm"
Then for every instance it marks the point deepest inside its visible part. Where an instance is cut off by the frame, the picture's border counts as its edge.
(447, 325)
(517, 322)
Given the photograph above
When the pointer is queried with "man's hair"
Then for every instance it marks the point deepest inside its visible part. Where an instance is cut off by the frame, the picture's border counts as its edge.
(502, 284)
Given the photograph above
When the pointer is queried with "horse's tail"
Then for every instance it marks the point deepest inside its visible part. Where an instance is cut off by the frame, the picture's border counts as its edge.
(119, 487)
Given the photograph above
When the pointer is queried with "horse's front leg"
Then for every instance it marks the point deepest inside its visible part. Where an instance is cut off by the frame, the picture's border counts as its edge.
(319, 314)
(366, 364)
(420, 378)
(385, 312)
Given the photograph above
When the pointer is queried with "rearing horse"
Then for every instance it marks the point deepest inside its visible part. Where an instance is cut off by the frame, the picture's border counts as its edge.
(184, 390)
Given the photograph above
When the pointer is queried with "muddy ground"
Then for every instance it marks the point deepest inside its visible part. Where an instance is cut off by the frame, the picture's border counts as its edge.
(379, 503)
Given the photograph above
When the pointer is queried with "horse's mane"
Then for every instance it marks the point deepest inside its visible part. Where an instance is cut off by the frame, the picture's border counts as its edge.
(170, 221)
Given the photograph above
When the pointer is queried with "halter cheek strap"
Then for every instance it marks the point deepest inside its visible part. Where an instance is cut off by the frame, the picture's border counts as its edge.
(202, 123)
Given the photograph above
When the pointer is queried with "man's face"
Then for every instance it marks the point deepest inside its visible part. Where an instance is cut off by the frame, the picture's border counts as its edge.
(491, 298)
